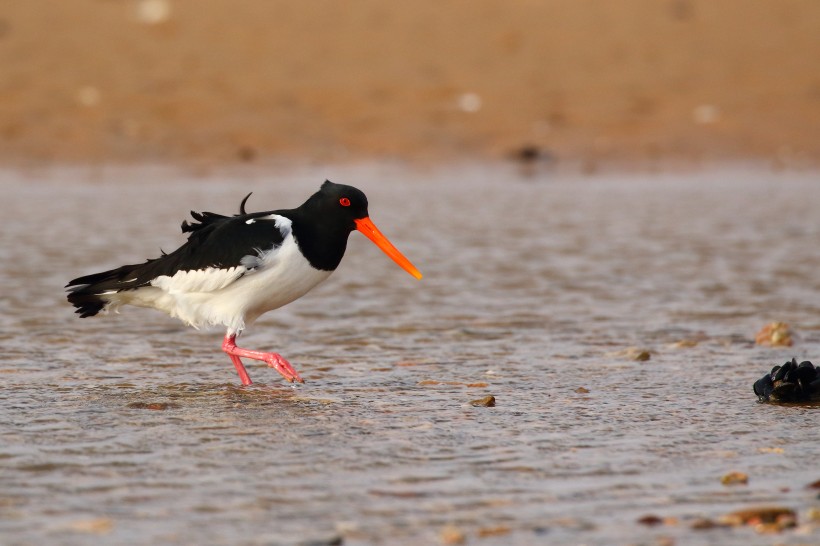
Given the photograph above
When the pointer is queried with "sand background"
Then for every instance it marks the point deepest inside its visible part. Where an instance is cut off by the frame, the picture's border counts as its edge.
(221, 82)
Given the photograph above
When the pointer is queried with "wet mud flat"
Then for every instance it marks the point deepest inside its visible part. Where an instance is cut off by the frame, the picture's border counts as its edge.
(611, 317)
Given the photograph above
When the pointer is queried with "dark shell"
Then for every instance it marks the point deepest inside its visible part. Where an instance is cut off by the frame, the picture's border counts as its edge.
(785, 392)
(763, 387)
(805, 374)
(791, 382)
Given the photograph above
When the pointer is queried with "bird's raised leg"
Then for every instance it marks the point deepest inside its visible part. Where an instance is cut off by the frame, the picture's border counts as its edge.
(273, 360)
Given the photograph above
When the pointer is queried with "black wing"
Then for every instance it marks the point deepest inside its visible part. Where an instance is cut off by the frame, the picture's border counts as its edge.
(215, 241)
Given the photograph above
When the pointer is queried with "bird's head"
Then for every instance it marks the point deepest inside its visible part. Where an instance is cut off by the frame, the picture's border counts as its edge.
(346, 206)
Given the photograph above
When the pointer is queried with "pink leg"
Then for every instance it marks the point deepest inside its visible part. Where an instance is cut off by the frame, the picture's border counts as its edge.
(240, 369)
(273, 360)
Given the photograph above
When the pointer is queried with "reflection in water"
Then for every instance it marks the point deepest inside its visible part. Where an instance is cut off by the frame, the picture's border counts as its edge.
(136, 429)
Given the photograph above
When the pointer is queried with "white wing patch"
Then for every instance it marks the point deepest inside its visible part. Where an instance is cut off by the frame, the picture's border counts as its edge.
(200, 280)
(213, 279)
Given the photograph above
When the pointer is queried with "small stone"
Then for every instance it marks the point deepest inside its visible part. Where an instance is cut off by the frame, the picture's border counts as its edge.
(735, 478)
(704, 524)
(638, 354)
(650, 520)
(493, 531)
(814, 485)
(775, 334)
(633, 353)
(487, 402)
(582, 390)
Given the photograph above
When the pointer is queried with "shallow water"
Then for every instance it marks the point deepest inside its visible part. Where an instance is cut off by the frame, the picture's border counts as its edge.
(134, 429)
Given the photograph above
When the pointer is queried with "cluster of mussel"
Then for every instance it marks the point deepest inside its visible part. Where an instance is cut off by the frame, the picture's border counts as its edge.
(791, 382)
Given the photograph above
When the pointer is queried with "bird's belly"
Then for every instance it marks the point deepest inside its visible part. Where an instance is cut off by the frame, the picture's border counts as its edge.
(275, 284)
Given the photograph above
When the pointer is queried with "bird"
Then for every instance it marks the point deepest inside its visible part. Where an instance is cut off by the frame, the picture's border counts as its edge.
(233, 269)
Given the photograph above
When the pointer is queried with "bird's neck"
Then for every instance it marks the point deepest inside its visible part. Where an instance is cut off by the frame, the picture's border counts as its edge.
(322, 243)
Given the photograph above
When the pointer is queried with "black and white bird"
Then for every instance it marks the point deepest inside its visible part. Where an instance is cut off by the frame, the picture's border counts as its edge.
(233, 269)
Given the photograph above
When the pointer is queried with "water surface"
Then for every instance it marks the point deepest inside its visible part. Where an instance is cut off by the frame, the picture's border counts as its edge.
(135, 429)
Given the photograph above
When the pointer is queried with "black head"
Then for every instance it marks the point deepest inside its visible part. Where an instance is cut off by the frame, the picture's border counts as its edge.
(338, 204)
(336, 207)
(323, 223)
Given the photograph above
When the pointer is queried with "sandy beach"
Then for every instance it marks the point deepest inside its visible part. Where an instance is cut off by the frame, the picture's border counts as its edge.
(220, 82)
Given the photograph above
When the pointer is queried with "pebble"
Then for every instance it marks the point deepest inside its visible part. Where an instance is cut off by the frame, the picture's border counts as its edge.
(735, 478)
(633, 353)
(493, 531)
(650, 520)
(775, 334)
(487, 402)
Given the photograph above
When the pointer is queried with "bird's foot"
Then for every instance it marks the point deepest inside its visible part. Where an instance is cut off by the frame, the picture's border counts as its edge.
(278, 363)
(273, 360)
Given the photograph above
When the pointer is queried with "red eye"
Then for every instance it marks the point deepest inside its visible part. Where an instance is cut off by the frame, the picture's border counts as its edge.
(344, 201)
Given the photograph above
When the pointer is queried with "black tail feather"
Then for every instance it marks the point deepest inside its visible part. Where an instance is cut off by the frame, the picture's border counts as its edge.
(88, 293)
(87, 305)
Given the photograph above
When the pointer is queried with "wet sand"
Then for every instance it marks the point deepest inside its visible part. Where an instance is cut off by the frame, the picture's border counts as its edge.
(219, 82)
(134, 430)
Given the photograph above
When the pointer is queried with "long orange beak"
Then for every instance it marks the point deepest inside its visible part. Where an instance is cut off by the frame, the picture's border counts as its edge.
(369, 229)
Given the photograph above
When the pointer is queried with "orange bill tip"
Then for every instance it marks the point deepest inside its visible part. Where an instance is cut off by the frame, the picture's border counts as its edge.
(369, 229)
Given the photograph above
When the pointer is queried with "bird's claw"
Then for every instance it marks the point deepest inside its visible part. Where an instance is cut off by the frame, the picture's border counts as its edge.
(278, 363)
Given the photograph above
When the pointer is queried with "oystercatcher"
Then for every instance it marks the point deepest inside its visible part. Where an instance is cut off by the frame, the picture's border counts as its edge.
(233, 269)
